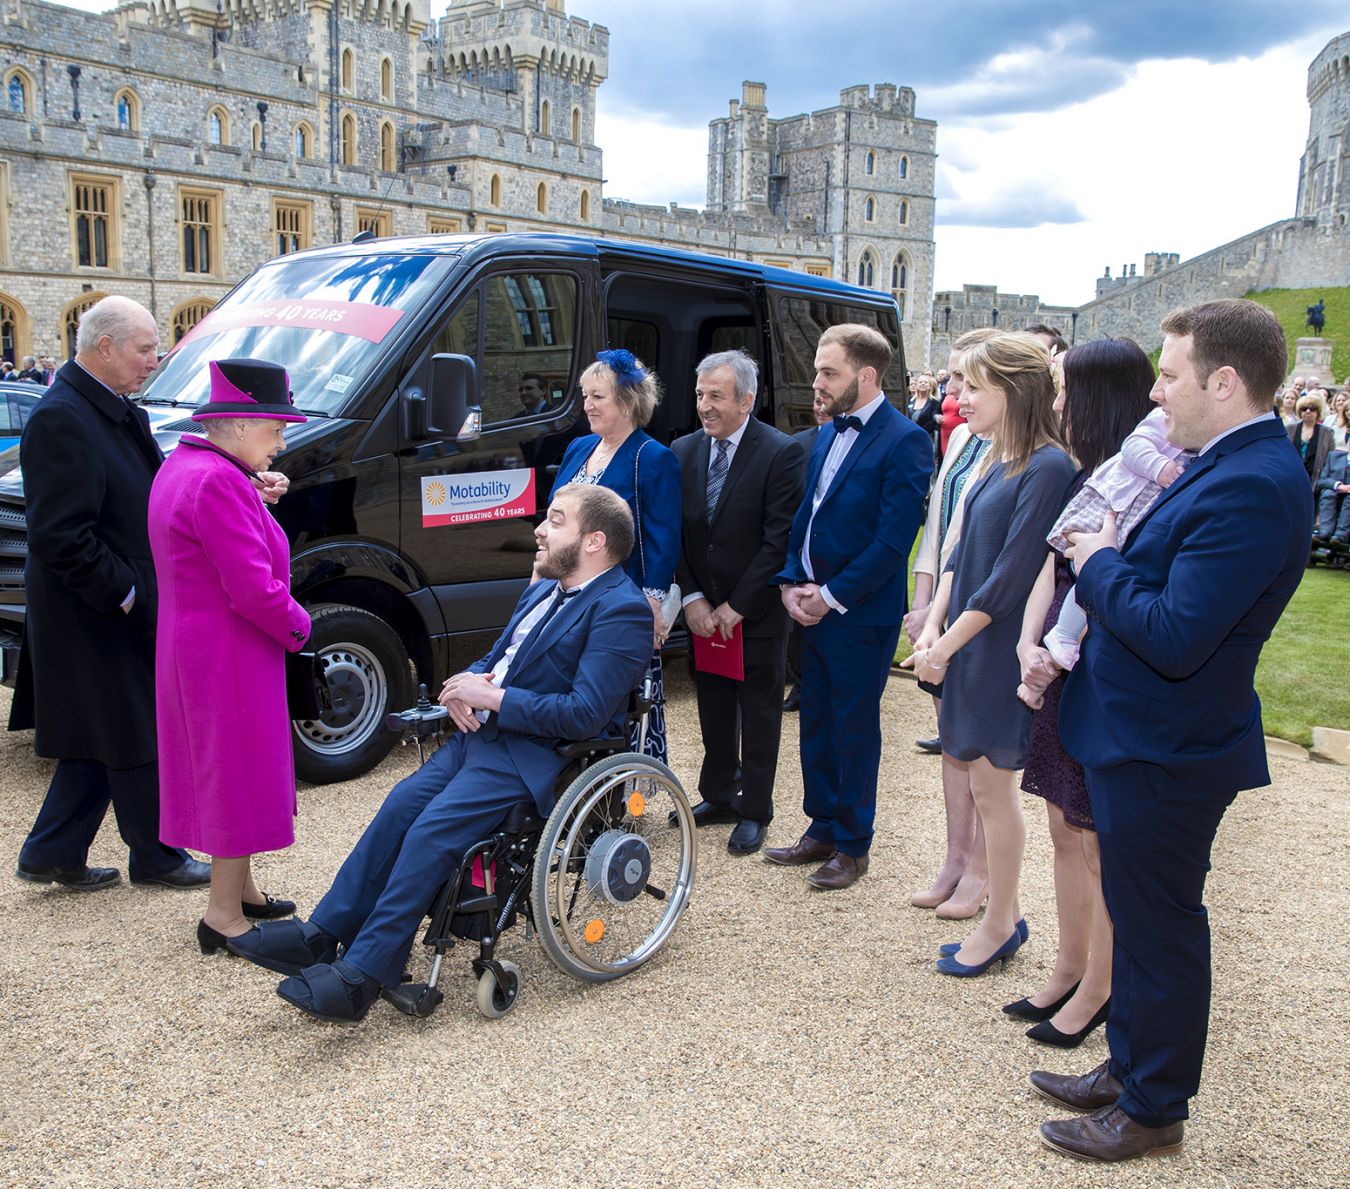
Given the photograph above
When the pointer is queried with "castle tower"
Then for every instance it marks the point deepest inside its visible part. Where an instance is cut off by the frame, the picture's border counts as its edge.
(1324, 171)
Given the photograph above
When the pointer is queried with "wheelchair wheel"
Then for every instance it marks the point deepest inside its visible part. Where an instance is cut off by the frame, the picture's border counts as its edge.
(497, 998)
(611, 877)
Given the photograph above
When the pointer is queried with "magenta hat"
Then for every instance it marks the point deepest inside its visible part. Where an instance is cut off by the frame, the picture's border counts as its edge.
(249, 388)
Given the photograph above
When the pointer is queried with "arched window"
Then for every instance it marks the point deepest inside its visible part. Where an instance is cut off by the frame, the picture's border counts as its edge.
(585, 206)
(904, 167)
(348, 70)
(128, 110)
(866, 269)
(187, 315)
(13, 329)
(18, 92)
(304, 140)
(218, 126)
(387, 80)
(388, 157)
(495, 190)
(870, 210)
(541, 199)
(545, 119)
(870, 163)
(576, 124)
(900, 282)
(348, 139)
(904, 211)
(71, 315)
(255, 135)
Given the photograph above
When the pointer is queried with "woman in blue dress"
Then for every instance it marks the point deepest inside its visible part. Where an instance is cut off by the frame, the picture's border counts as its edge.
(620, 395)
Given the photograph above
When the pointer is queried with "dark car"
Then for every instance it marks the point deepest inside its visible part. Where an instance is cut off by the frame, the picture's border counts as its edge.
(439, 374)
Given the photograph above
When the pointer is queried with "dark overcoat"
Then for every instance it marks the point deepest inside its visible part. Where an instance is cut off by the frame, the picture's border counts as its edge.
(87, 675)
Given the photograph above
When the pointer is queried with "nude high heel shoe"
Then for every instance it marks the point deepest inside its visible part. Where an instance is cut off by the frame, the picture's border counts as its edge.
(960, 910)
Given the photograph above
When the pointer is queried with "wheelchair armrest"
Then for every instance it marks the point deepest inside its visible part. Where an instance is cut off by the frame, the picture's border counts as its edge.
(587, 747)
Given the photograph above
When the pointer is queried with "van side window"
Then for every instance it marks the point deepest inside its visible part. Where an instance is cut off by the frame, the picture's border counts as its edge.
(459, 336)
(803, 322)
(529, 344)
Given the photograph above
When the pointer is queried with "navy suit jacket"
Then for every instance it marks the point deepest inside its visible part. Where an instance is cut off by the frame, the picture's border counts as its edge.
(867, 522)
(573, 680)
(1177, 619)
(658, 493)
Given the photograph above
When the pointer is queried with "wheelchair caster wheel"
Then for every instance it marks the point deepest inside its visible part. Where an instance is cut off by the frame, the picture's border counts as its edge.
(497, 998)
(413, 999)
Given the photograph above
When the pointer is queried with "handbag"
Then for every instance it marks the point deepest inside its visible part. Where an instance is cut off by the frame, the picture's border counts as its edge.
(307, 694)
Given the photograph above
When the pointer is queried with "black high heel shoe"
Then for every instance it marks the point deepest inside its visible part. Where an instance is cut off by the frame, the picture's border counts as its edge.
(1024, 1009)
(1047, 1034)
(208, 939)
(270, 909)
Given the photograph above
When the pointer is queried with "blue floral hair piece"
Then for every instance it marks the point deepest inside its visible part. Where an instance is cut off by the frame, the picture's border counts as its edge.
(627, 371)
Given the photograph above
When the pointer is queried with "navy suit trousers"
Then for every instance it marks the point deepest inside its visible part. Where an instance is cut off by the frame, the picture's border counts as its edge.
(1155, 835)
(421, 832)
(844, 669)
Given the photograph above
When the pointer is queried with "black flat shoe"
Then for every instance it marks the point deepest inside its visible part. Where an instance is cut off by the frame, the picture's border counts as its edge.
(269, 910)
(1024, 1009)
(793, 702)
(209, 940)
(932, 746)
(192, 874)
(707, 814)
(747, 837)
(77, 879)
(1047, 1034)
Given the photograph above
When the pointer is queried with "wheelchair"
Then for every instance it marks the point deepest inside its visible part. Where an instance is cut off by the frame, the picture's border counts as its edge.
(602, 882)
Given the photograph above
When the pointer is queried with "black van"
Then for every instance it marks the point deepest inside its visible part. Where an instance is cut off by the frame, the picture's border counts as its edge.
(439, 375)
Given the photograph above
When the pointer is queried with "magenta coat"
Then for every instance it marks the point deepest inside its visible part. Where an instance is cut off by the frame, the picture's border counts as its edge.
(226, 621)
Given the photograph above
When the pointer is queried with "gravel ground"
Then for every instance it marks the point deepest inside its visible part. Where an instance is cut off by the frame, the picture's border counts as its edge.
(783, 1037)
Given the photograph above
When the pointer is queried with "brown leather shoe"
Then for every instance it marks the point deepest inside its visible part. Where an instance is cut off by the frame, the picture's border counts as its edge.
(838, 872)
(1110, 1135)
(805, 850)
(1090, 1092)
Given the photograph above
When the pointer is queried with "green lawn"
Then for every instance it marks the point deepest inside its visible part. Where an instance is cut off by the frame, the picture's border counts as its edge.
(1291, 306)
(1304, 675)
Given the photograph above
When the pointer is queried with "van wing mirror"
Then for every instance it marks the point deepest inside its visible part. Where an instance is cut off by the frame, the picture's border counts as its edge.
(452, 409)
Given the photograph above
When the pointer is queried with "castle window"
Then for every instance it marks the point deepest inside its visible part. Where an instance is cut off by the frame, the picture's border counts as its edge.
(255, 136)
(904, 212)
(349, 139)
(870, 163)
(495, 190)
(904, 167)
(290, 225)
(388, 157)
(304, 140)
(93, 210)
(576, 124)
(218, 126)
(71, 315)
(442, 225)
(541, 199)
(128, 111)
(870, 210)
(348, 70)
(200, 211)
(866, 270)
(18, 92)
(900, 283)
(187, 315)
(380, 222)
(387, 80)
(13, 329)
(585, 206)
(817, 270)
(545, 118)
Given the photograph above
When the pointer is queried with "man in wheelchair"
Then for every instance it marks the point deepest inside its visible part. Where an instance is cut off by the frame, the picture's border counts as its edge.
(562, 671)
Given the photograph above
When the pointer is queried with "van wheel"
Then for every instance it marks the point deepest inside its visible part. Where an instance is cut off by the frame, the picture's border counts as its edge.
(368, 673)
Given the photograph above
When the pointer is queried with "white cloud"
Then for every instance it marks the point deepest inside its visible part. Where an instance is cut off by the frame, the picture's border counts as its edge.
(647, 160)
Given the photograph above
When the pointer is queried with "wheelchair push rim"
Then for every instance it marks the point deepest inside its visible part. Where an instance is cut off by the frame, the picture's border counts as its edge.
(612, 878)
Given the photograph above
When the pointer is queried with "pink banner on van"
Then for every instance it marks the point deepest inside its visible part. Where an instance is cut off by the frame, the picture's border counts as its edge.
(357, 318)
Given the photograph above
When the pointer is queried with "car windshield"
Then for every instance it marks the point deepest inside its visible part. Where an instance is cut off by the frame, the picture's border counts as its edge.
(323, 320)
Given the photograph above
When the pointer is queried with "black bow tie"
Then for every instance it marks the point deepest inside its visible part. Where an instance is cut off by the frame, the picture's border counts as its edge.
(850, 422)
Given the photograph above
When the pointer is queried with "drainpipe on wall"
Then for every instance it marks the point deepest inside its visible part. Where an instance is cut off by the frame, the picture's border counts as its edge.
(149, 181)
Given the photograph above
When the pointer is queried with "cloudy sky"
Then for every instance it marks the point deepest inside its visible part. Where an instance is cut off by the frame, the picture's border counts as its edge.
(1071, 135)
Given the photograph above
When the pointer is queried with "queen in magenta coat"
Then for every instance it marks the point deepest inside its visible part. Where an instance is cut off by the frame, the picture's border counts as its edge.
(226, 622)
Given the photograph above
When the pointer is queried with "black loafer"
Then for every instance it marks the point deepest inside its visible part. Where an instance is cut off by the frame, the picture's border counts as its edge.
(793, 701)
(77, 879)
(707, 814)
(747, 837)
(932, 746)
(270, 909)
(192, 874)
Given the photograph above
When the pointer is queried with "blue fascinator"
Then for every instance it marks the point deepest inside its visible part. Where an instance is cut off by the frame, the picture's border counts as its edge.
(627, 371)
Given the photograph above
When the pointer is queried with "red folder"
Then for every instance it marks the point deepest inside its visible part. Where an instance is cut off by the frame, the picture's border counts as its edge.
(721, 658)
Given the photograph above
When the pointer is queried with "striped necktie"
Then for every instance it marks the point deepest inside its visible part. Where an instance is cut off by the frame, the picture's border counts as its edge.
(717, 475)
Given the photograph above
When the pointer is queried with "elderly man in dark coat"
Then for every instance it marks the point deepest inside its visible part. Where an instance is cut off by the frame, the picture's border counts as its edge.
(87, 674)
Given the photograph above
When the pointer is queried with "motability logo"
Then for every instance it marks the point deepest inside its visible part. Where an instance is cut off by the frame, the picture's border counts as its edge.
(483, 495)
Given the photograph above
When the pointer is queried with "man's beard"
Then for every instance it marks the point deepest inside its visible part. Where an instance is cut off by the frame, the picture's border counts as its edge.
(843, 403)
(560, 561)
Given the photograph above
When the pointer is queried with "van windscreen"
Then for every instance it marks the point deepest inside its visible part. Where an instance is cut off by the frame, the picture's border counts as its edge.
(324, 320)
